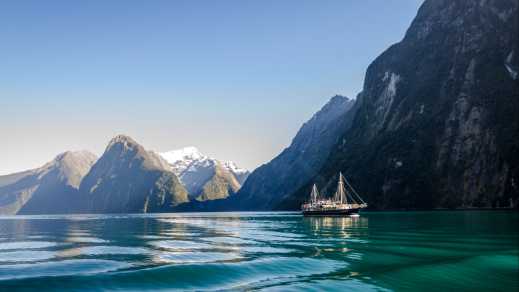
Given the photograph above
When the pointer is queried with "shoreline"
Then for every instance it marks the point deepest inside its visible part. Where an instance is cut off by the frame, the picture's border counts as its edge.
(273, 211)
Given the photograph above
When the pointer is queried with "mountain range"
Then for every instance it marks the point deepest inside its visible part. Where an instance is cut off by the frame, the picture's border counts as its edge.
(436, 125)
(205, 178)
(126, 178)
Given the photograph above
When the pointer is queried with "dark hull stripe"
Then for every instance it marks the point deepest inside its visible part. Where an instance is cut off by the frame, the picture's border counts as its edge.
(331, 212)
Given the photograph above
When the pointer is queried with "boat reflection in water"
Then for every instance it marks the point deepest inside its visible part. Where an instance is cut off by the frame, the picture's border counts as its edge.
(333, 226)
(337, 236)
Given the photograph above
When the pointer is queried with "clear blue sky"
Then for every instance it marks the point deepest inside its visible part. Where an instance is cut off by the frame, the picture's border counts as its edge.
(235, 78)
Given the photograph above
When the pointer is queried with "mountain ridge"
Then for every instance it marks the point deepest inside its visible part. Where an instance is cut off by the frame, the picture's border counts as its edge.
(284, 174)
(52, 188)
(129, 178)
(205, 178)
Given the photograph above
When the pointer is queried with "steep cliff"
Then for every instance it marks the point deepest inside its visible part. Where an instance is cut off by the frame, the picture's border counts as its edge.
(437, 124)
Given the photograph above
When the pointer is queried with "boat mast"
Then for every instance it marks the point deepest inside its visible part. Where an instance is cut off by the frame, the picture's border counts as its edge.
(340, 194)
(314, 196)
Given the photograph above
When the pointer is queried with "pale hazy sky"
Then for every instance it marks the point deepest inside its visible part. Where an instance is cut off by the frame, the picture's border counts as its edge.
(234, 78)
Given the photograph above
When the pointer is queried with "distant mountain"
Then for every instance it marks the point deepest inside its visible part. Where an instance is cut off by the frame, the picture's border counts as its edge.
(277, 180)
(13, 177)
(437, 124)
(241, 174)
(182, 159)
(127, 178)
(52, 188)
(205, 178)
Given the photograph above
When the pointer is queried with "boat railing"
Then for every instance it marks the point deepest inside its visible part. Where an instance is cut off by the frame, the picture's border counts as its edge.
(331, 205)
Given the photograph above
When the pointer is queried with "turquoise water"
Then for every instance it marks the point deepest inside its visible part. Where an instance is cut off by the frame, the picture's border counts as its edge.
(413, 251)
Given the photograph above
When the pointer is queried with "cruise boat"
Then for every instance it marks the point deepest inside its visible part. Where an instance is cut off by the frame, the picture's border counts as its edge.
(344, 202)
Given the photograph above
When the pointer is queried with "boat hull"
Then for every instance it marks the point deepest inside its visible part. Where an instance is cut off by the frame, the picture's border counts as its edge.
(342, 212)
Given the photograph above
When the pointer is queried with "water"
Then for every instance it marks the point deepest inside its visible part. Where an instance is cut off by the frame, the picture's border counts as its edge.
(414, 251)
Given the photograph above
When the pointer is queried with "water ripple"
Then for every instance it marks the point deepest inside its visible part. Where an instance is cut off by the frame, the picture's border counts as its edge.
(260, 251)
(60, 268)
(26, 245)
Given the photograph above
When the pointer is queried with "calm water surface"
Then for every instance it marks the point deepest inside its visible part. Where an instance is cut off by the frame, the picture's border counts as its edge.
(463, 251)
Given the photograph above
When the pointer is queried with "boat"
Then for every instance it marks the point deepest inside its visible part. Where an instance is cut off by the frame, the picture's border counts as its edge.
(345, 202)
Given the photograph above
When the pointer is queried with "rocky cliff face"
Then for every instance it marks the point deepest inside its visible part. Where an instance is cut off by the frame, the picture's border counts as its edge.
(221, 184)
(280, 178)
(437, 122)
(128, 178)
(53, 188)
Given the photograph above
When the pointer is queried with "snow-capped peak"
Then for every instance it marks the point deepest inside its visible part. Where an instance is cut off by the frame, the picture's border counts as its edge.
(231, 166)
(181, 159)
(189, 160)
(187, 153)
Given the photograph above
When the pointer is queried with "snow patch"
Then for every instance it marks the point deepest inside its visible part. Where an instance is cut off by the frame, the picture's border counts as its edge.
(510, 57)
(187, 159)
(386, 98)
(512, 72)
(184, 160)
(186, 153)
(194, 168)
(231, 166)
(510, 67)
(391, 87)
(386, 76)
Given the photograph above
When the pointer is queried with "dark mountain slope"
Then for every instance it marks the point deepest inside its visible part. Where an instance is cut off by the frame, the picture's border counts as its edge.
(278, 179)
(438, 121)
(127, 178)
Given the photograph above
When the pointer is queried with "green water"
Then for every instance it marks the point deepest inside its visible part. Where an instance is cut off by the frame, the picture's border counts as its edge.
(400, 251)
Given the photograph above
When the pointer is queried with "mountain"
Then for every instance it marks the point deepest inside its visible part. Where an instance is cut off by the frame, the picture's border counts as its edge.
(14, 177)
(275, 181)
(437, 124)
(238, 172)
(127, 178)
(205, 178)
(182, 159)
(52, 188)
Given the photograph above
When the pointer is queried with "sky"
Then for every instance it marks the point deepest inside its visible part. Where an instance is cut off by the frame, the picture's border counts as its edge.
(235, 78)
